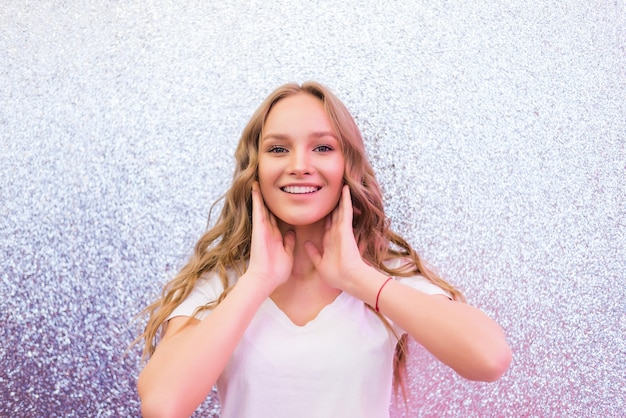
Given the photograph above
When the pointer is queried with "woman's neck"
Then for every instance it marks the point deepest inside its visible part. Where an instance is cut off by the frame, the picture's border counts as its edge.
(303, 268)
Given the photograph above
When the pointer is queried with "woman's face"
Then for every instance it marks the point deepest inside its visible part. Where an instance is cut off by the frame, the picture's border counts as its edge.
(301, 164)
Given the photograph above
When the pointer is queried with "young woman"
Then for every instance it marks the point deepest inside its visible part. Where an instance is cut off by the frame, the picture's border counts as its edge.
(296, 302)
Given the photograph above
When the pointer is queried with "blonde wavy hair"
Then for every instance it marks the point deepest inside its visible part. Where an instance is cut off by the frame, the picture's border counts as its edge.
(226, 246)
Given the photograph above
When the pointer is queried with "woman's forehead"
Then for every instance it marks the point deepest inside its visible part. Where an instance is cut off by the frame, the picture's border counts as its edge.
(298, 112)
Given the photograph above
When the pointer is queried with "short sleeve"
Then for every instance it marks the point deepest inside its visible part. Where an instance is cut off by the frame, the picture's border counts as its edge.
(422, 284)
(207, 289)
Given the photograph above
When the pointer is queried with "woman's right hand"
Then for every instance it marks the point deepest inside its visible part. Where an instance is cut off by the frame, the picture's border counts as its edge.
(192, 354)
(271, 254)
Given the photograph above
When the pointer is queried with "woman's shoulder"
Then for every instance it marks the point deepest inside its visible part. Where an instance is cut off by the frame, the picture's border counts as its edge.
(207, 289)
(211, 283)
(404, 265)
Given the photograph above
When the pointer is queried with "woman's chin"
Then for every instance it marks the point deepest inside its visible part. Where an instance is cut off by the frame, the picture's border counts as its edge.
(302, 222)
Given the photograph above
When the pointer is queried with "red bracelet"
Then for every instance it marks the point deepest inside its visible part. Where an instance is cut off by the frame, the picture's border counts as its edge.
(380, 290)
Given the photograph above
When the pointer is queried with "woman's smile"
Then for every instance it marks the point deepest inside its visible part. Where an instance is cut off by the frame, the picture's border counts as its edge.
(300, 189)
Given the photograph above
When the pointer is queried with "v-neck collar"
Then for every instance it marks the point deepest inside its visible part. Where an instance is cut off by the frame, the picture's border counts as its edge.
(327, 310)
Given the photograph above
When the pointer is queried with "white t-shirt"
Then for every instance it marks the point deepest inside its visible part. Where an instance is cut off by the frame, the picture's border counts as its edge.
(340, 364)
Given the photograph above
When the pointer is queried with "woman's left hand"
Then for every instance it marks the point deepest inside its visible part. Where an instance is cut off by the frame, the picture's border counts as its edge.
(340, 262)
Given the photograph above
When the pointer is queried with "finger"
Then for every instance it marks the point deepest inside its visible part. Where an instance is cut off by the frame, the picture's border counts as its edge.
(271, 217)
(332, 217)
(313, 252)
(262, 210)
(289, 242)
(347, 201)
(343, 214)
(257, 214)
(339, 210)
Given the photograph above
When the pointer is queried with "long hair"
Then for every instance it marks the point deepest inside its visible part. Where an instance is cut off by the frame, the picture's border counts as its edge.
(226, 246)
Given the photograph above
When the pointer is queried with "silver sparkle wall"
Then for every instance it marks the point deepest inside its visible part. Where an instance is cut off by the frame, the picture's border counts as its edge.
(497, 130)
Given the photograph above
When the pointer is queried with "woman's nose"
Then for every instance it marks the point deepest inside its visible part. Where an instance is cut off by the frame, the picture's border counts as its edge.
(300, 162)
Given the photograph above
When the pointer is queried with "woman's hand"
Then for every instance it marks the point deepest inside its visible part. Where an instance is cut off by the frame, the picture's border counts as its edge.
(271, 254)
(340, 262)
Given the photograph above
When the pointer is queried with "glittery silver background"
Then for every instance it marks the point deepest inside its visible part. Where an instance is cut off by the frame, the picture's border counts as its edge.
(497, 129)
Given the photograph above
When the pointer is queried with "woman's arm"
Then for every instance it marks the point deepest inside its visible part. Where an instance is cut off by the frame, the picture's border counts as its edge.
(458, 334)
(192, 355)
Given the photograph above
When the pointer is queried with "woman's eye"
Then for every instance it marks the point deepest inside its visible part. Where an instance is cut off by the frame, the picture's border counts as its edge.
(277, 149)
(323, 148)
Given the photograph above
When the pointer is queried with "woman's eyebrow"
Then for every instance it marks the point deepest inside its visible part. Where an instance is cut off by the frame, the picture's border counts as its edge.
(323, 134)
(279, 137)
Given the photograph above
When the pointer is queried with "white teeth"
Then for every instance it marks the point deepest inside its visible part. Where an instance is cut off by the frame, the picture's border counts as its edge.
(300, 189)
